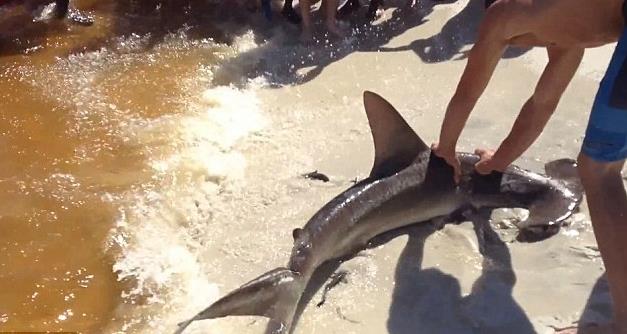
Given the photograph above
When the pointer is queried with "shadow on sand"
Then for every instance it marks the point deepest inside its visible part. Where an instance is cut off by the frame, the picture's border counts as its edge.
(459, 32)
(598, 309)
(430, 301)
(279, 56)
(284, 61)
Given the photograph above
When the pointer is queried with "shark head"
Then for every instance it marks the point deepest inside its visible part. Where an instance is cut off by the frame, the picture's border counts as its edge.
(556, 198)
(301, 259)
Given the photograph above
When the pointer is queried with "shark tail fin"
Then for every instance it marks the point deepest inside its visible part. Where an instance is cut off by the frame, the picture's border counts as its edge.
(274, 294)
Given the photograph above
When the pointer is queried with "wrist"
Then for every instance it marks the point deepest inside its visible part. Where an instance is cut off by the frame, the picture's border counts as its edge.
(447, 145)
(500, 161)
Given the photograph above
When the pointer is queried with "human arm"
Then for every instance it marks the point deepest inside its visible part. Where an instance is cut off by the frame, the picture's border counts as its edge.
(536, 112)
(482, 60)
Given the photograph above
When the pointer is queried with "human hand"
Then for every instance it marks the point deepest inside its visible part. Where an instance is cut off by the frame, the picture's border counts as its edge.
(487, 164)
(449, 155)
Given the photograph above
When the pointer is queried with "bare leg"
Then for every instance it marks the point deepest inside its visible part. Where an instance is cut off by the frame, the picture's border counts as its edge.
(607, 202)
(330, 12)
(305, 13)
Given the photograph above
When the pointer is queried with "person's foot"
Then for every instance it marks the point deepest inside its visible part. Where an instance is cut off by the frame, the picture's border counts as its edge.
(349, 7)
(290, 15)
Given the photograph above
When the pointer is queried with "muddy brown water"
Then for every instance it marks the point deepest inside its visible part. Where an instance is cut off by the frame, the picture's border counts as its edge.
(66, 93)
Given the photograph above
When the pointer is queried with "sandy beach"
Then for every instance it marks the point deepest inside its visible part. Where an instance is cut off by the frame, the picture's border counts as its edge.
(200, 172)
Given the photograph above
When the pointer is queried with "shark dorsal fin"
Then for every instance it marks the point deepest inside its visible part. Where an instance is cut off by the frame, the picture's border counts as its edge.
(396, 145)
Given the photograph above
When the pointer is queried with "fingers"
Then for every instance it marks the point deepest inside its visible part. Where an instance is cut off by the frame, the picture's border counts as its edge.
(457, 172)
(484, 153)
(450, 157)
(457, 168)
(485, 165)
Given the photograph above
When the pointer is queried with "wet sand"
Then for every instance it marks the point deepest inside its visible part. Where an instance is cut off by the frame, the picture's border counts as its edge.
(162, 177)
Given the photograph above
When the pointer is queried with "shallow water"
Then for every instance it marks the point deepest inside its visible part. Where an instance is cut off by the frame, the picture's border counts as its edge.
(151, 163)
(113, 138)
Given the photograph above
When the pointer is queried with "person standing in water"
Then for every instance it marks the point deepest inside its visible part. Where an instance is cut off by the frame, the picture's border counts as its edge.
(565, 28)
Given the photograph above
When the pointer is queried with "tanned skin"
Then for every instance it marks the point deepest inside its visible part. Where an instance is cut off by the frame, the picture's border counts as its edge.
(565, 28)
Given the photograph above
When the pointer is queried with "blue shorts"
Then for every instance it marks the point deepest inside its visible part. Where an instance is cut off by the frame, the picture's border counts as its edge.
(606, 136)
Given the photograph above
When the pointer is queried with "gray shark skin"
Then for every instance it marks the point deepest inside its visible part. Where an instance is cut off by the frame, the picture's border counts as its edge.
(407, 185)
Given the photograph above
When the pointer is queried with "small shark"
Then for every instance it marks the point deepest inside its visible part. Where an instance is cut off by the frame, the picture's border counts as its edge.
(407, 185)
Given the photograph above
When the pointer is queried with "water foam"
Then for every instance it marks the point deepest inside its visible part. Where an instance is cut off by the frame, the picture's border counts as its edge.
(191, 155)
(158, 232)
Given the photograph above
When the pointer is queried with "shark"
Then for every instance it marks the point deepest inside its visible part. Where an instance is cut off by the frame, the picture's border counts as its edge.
(407, 185)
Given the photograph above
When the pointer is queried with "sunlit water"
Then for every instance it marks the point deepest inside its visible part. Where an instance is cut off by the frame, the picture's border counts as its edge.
(115, 143)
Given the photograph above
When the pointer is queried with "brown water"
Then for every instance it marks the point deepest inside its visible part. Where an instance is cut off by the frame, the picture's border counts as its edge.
(73, 100)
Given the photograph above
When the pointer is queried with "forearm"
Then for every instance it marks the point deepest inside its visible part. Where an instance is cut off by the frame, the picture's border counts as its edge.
(528, 126)
(482, 61)
(455, 118)
(537, 111)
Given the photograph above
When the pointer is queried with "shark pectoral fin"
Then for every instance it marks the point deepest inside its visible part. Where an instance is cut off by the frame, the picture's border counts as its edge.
(565, 170)
(396, 145)
(267, 295)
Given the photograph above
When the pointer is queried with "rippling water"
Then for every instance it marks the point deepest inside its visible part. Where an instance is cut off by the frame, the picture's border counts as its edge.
(113, 138)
